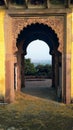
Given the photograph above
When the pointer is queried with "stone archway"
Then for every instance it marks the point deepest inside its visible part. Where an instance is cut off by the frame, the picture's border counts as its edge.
(14, 30)
(46, 34)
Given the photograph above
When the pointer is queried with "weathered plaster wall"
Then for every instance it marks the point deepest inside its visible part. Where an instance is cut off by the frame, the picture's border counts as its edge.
(72, 61)
(2, 55)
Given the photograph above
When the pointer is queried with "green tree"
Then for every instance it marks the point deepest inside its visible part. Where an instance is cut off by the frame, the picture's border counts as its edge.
(44, 70)
(29, 67)
(40, 69)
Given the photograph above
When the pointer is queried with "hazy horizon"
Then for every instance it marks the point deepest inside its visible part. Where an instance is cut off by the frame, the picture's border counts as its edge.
(41, 62)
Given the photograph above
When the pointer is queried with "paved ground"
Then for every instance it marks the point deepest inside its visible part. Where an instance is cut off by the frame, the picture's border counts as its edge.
(40, 88)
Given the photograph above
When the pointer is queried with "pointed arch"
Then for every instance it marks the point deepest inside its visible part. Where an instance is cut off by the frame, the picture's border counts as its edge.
(38, 31)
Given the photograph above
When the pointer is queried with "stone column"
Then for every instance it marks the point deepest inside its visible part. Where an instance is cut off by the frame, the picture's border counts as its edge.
(66, 76)
(66, 80)
(53, 70)
(15, 76)
(22, 71)
(63, 78)
(56, 72)
(68, 57)
(9, 81)
(18, 71)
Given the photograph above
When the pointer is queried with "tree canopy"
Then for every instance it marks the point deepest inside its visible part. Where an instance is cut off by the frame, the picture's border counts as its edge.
(29, 67)
(39, 70)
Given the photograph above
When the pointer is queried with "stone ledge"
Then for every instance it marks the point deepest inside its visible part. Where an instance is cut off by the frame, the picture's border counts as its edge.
(35, 12)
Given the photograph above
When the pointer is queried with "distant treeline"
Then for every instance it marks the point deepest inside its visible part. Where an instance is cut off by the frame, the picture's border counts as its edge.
(38, 71)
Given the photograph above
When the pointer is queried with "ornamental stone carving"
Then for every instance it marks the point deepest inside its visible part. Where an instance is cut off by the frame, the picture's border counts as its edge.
(55, 22)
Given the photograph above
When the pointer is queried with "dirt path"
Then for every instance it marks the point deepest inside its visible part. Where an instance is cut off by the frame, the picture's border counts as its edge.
(40, 88)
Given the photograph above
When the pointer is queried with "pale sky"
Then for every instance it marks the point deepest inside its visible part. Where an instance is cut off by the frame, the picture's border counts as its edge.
(38, 50)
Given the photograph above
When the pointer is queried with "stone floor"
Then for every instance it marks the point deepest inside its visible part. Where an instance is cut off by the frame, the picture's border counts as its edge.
(40, 88)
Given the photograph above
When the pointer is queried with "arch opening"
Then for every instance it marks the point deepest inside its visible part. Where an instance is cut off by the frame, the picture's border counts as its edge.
(2, 3)
(43, 33)
(38, 50)
(38, 31)
(38, 71)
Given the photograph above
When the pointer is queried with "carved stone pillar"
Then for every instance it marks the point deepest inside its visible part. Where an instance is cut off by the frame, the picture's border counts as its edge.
(9, 81)
(15, 76)
(22, 71)
(68, 78)
(66, 59)
(18, 71)
(53, 70)
(56, 72)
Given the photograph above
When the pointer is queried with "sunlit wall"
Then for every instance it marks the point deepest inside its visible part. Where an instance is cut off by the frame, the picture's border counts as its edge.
(72, 61)
(2, 55)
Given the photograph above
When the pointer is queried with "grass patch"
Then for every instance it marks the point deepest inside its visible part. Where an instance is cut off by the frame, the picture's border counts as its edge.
(31, 113)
